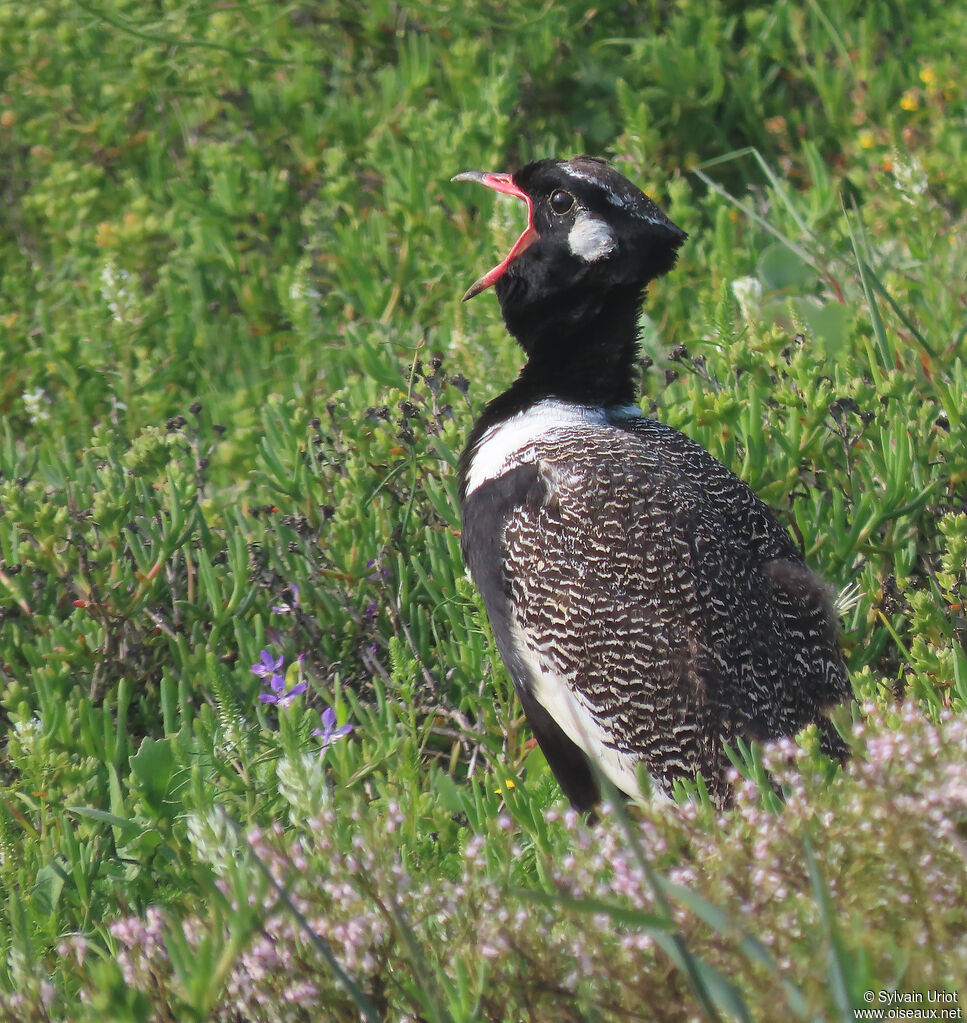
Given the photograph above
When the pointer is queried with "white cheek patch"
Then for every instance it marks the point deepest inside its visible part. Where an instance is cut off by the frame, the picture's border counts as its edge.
(590, 239)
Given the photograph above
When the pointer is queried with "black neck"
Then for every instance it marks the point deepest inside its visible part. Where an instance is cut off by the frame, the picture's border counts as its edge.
(583, 354)
(587, 361)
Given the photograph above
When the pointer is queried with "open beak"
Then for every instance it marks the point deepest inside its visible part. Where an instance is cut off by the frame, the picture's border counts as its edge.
(501, 183)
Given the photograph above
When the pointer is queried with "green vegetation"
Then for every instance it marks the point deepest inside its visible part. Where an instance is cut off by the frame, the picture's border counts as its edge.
(236, 376)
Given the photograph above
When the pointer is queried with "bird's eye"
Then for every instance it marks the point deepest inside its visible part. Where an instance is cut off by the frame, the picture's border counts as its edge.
(561, 201)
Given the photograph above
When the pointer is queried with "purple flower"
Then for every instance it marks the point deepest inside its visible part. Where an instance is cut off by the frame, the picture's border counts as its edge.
(280, 696)
(328, 733)
(266, 665)
(379, 574)
(271, 669)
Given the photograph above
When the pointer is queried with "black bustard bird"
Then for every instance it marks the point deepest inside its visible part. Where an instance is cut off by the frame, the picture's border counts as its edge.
(647, 605)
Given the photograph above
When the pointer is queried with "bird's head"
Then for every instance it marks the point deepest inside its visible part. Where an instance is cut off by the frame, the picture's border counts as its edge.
(590, 235)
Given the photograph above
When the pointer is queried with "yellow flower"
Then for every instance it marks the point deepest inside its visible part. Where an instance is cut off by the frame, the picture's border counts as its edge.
(866, 139)
(909, 101)
(928, 76)
(106, 235)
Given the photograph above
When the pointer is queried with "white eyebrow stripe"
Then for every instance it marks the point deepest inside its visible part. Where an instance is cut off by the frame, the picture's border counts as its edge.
(614, 198)
(624, 202)
(590, 239)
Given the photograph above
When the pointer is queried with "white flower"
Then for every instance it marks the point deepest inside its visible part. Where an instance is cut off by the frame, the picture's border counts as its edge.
(213, 838)
(909, 177)
(119, 299)
(748, 293)
(35, 405)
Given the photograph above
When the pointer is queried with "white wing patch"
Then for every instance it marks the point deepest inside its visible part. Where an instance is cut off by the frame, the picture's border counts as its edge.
(590, 239)
(510, 442)
(505, 445)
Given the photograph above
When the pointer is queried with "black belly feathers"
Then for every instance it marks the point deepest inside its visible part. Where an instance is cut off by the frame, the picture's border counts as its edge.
(646, 604)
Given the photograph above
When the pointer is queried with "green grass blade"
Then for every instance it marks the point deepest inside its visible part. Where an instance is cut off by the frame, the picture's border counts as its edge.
(886, 360)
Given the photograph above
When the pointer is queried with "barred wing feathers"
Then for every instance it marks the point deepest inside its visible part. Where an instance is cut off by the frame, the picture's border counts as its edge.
(648, 607)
